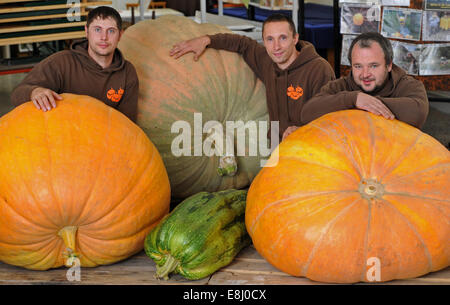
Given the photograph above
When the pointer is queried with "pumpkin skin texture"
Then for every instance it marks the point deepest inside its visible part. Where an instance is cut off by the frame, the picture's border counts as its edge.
(80, 180)
(350, 188)
(220, 86)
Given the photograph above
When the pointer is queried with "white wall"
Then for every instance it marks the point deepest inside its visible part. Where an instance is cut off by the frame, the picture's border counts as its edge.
(121, 4)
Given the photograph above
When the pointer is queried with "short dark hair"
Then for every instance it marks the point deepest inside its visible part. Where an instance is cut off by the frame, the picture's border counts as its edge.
(365, 40)
(280, 18)
(104, 12)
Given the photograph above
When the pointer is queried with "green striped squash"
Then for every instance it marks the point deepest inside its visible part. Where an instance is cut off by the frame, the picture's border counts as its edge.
(202, 234)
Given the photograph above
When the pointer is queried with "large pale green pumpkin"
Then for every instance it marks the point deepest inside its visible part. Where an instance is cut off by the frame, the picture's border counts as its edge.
(218, 87)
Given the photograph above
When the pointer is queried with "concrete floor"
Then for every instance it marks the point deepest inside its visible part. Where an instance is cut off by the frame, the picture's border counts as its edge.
(437, 124)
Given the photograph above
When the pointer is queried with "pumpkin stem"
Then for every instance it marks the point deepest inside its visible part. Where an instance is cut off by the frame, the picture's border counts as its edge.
(371, 189)
(68, 235)
(227, 161)
(169, 266)
(227, 166)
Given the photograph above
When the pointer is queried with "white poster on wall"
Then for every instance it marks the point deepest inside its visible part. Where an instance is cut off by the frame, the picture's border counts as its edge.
(437, 4)
(376, 2)
(435, 59)
(346, 42)
(401, 23)
(436, 26)
(360, 18)
(395, 2)
(407, 56)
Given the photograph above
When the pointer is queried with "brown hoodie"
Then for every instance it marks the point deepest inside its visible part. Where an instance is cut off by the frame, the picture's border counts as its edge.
(405, 96)
(74, 71)
(286, 90)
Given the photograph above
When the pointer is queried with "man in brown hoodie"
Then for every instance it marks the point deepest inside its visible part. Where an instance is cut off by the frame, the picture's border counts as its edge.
(93, 67)
(375, 84)
(290, 69)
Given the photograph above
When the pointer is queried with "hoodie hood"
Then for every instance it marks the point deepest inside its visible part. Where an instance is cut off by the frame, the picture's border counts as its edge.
(397, 74)
(80, 48)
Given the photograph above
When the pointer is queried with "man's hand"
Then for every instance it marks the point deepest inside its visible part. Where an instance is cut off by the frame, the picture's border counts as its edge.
(288, 131)
(195, 45)
(373, 105)
(44, 99)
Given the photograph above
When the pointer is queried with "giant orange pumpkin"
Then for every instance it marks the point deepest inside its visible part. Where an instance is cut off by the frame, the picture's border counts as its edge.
(353, 197)
(79, 181)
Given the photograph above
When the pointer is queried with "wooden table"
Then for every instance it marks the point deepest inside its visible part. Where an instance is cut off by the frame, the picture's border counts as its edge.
(248, 268)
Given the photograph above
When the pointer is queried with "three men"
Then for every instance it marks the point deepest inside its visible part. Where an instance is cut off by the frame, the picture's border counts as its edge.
(300, 85)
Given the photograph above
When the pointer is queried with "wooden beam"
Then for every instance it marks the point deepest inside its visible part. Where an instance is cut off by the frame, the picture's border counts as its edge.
(12, 29)
(50, 7)
(12, 1)
(40, 38)
(31, 18)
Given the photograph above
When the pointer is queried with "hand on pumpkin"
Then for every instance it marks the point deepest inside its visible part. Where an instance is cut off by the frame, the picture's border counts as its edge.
(288, 131)
(196, 45)
(373, 105)
(44, 99)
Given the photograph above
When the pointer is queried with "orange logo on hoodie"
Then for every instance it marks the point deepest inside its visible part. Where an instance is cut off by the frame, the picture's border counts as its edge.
(294, 93)
(113, 95)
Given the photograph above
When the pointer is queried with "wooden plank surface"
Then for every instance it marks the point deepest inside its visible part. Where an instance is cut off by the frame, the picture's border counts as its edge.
(50, 7)
(12, 29)
(31, 18)
(248, 268)
(12, 1)
(39, 38)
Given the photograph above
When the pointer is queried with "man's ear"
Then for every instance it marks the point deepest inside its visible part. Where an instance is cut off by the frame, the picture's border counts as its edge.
(86, 30)
(296, 37)
(389, 67)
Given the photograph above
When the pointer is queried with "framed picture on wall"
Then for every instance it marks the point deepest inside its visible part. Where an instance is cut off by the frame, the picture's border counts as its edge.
(436, 26)
(436, 4)
(360, 18)
(407, 56)
(435, 59)
(377, 2)
(346, 42)
(401, 23)
(395, 2)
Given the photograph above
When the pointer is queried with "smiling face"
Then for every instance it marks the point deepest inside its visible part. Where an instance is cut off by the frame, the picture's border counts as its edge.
(280, 42)
(103, 36)
(369, 67)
